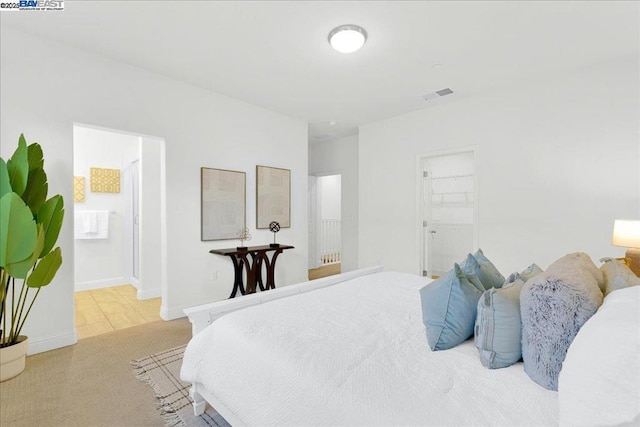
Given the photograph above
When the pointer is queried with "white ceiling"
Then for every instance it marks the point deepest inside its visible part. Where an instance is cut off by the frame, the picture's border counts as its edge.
(276, 54)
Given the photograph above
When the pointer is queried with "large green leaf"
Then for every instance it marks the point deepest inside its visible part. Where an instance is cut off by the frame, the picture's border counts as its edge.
(18, 230)
(35, 156)
(5, 185)
(20, 269)
(18, 167)
(50, 216)
(46, 269)
(36, 192)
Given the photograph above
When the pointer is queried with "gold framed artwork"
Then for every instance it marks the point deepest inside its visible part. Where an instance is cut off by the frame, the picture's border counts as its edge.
(78, 188)
(222, 203)
(105, 180)
(273, 196)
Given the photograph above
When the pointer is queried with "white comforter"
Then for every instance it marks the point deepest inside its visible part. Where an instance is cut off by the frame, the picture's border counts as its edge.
(355, 354)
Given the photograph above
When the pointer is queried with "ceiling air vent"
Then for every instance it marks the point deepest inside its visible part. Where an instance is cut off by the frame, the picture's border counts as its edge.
(437, 94)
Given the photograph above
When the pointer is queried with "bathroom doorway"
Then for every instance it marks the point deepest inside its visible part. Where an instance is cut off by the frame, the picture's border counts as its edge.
(118, 217)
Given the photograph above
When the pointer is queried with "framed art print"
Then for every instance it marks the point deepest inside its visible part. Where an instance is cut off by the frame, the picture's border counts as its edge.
(105, 180)
(223, 203)
(273, 196)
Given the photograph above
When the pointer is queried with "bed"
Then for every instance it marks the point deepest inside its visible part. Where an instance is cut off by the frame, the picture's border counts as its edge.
(348, 350)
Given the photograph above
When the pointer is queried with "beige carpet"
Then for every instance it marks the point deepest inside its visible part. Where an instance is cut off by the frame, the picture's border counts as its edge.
(90, 383)
(162, 372)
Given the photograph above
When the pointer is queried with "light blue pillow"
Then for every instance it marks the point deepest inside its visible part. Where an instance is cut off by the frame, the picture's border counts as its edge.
(470, 267)
(489, 274)
(449, 307)
(524, 275)
(498, 327)
(486, 272)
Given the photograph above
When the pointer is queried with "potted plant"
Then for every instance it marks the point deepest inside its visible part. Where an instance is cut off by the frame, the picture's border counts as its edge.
(29, 228)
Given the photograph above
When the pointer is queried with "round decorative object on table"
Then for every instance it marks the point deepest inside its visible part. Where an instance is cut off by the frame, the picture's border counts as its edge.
(274, 226)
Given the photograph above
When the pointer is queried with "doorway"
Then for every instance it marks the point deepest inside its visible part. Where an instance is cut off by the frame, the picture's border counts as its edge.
(325, 225)
(116, 280)
(448, 205)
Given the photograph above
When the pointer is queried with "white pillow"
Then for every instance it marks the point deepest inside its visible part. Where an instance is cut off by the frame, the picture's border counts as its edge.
(599, 384)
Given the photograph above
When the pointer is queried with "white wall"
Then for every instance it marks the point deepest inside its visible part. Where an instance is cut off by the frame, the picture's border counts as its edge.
(557, 163)
(46, 87)
(99, 263)
(341, 156)
(150, 205)
(150, 163)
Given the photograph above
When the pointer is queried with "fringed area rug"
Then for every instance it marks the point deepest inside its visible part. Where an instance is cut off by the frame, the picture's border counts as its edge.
(162, 372)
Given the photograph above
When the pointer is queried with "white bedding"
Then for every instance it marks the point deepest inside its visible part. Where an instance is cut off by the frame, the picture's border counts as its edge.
(355, 354)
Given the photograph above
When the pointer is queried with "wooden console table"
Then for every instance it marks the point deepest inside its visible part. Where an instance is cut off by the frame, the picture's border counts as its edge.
(254, 268)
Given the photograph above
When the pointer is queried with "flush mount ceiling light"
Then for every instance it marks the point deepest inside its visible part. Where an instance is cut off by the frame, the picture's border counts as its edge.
(347, 38)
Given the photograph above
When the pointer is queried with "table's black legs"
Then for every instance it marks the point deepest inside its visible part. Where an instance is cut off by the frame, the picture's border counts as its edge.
(253, 269)
(257, 259)
(271, 269)
(237, 279)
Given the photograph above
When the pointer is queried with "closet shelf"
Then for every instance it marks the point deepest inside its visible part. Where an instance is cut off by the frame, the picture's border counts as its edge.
(452, 204)
(440, 193)
(452, 176)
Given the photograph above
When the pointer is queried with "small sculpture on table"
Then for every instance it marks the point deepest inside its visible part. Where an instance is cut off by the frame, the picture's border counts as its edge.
(243, 234)
(274, 226)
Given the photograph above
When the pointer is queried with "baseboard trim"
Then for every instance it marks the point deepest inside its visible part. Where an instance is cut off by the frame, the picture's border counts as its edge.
(149, 293)
(174, 313)
(134, 282)
(98, 284)
(51, 343)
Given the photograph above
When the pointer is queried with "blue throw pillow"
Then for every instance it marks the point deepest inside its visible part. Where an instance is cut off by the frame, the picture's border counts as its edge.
(449, 307)
(471, 268)
(524, 275)
(489, 274)
(478, 265)
(498, 327)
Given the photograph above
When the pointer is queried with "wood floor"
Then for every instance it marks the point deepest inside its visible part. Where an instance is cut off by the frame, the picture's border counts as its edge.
(105, 310)
(324, 271)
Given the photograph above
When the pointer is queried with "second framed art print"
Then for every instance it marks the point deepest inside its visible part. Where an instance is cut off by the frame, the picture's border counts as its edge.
(273, 197)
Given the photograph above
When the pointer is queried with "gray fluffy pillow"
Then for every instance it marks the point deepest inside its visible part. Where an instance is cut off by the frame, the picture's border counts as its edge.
(553, 307)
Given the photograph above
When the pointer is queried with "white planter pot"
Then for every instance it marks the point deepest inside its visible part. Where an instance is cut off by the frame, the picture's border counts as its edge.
(12, 359)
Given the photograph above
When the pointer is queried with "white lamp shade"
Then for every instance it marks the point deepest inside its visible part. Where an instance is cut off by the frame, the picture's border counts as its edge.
(626, 233)
(347, 38)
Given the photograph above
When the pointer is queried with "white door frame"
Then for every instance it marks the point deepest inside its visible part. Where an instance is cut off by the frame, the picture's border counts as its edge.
(128, 225)
(420, 211)
(318, 216)
(161, 228)
(313, 221)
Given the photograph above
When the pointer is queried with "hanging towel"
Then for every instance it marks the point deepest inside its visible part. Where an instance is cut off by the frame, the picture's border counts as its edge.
(91, 224)
(103, 224)
(90, 221)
